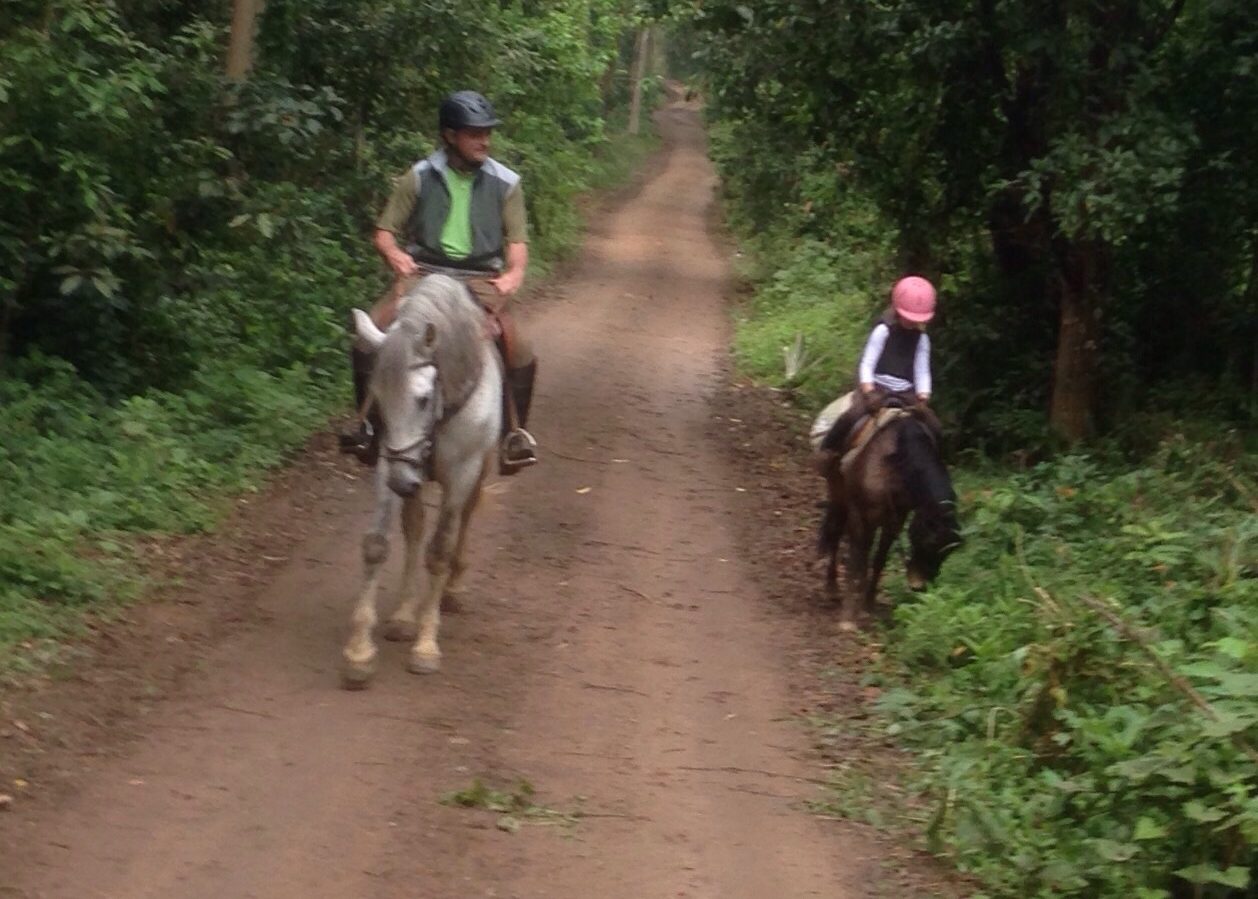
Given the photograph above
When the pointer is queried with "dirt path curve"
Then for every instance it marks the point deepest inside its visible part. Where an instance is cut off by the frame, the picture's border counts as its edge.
(613, 653)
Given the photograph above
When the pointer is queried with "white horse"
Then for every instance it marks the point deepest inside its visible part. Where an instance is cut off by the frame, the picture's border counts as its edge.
(437, 383)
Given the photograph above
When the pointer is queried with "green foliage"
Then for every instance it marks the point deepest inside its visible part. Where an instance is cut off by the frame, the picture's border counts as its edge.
(1079, 686)
(80, 476)
(828, 285)
(515, 805)
(1036, 159)
(179, 253)
(1064, 752)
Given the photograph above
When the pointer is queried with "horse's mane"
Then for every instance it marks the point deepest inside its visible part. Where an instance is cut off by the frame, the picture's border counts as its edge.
(916, 457)
(458, 320)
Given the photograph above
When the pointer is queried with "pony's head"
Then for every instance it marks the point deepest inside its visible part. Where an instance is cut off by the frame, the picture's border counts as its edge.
(933, 534)
(404, 385)
(934, 531)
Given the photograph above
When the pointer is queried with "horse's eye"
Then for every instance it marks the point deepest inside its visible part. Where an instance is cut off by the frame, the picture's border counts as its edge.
(422, 402)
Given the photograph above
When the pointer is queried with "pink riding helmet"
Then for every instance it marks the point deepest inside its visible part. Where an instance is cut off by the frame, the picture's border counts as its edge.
(913, 299)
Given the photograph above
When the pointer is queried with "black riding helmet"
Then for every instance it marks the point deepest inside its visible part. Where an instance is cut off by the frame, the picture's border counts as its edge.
(466, 109)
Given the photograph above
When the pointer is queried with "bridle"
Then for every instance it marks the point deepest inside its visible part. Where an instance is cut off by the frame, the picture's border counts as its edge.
(406, 454)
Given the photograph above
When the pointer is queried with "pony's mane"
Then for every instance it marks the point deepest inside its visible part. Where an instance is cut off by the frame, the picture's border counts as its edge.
(458, 320)
(917, 459)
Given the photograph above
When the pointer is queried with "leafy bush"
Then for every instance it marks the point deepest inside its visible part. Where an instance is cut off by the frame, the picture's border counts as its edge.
(1082, 686)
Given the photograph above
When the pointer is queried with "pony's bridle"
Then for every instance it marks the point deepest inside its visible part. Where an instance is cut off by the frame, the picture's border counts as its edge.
(406, 454)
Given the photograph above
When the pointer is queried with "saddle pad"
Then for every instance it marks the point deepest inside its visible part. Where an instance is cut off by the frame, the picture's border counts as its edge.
(866, 430)
(821, 426)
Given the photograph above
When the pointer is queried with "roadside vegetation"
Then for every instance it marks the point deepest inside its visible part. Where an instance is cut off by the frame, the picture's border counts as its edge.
(1079, 690)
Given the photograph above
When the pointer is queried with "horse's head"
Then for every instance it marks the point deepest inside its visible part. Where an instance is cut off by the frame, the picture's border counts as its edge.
(933, 534)
(404, 385)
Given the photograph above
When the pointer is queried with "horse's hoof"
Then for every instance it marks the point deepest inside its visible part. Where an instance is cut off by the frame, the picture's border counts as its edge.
(848, 627)
(400, 630)
(424, 664)
(357, 675)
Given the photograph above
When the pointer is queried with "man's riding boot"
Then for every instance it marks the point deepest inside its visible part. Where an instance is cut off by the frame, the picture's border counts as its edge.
(362, 439)
(519, 449)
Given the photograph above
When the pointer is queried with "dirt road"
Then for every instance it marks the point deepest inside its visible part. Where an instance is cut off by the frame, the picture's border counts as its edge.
(612, 652)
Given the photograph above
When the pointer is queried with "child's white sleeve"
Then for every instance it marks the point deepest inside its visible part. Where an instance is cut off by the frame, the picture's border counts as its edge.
(873, 350)
(921, 366)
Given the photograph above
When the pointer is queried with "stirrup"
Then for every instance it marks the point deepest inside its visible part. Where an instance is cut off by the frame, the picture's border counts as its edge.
(360, 443)
(510, 464)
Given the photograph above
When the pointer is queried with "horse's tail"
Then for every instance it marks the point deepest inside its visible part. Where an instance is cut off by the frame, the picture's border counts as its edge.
(830, 532)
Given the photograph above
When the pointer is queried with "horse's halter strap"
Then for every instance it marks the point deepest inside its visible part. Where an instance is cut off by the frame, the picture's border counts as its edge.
(424, 442)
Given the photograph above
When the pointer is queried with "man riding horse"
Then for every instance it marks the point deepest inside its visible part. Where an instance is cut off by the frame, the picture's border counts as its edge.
(461, 211)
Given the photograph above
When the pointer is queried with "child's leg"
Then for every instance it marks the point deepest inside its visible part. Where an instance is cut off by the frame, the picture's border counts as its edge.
(836, 439)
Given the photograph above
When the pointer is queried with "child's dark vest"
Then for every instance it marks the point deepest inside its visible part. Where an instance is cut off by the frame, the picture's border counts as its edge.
(897, 356)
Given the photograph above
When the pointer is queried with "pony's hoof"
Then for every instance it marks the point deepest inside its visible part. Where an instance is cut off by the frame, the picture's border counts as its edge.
(848, 627)
(399, 630)
(357, 675)
(452, 602)
(424, 663)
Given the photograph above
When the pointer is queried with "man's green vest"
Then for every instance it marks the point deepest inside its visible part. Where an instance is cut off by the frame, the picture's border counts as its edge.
(493, 182)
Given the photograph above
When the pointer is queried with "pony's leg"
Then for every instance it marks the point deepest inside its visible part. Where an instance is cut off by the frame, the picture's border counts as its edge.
(359, 656)
(457, 496)
(832, 528)
(886, 538)
(455, 587)
(832, 574)
(402, 624)
(859, 537)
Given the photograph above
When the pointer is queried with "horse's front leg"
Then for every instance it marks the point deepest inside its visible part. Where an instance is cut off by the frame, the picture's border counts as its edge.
(886, 538)
(458, 495)
(359, 656)
(455, 588)
(403, 623)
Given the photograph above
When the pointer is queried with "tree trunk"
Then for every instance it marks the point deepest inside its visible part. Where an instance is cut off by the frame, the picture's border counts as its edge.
(240, 44)
(1082, 279)
(607, 84)
(635, 80)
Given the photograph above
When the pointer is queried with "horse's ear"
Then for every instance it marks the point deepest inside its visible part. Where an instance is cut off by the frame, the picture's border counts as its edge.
(369, 336)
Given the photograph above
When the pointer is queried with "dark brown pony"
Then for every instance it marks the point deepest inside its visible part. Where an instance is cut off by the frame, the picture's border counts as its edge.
(897, 474)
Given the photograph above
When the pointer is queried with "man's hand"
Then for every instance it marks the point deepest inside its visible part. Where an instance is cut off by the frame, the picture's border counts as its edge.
(395, 257)
(402, 264)
(508, 282)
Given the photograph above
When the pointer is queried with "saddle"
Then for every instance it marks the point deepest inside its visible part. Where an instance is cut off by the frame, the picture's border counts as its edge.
(868, 427)
(863, 431)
